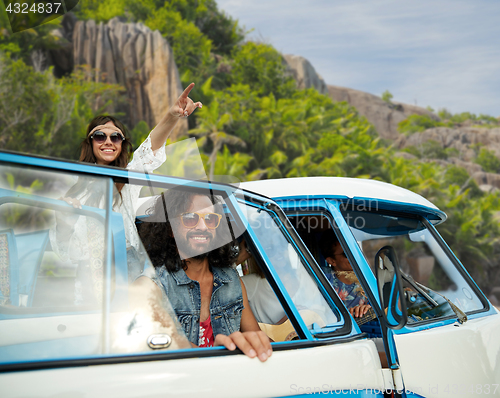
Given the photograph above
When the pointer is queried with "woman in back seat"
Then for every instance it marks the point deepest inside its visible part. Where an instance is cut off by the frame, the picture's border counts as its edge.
(81, 239)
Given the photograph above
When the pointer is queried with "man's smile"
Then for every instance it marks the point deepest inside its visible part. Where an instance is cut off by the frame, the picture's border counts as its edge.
(199, 237)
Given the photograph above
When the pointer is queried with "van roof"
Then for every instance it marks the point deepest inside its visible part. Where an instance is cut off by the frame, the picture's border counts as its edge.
(341, 187)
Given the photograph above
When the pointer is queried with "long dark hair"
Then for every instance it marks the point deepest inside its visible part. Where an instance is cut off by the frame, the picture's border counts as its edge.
(327, 243)
(157, 233)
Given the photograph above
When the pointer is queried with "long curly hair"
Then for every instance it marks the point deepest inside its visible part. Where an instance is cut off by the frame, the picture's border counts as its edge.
(157, 233)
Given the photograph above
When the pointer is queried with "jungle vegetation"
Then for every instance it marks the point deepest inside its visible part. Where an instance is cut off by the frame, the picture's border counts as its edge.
(255, 123)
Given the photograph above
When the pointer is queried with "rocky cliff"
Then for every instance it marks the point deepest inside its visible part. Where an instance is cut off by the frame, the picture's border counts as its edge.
(383, 115)
(463, 139)
(460, 138)
(386, 116)
(304, 73)
(129, 54)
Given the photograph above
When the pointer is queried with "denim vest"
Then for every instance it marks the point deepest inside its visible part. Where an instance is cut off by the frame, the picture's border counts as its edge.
(184, 295)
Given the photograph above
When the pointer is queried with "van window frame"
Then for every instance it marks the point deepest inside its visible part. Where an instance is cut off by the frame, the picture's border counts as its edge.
(115, 175)
(314, 270)
(435, 322)
(323, 210)
(330, 208)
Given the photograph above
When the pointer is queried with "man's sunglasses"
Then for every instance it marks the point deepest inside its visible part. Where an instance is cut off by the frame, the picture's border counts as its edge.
(191, 220)
(100, 137)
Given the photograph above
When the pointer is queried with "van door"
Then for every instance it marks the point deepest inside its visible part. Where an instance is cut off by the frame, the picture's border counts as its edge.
(74, 319)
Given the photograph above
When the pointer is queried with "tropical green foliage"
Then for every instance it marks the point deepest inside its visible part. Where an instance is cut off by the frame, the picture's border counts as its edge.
(223, 32)
(254, 124)
(262, 68)
(191, 47)
(234, 165)
(100, 11)
(211, 127)
(488, 161)
(432, 150)
(418, 123)
(195, 29)
(24, 45)
(460, 177)
(387, 96)
(45, 115)
(482, 120)
(281, 133)
(472, 231)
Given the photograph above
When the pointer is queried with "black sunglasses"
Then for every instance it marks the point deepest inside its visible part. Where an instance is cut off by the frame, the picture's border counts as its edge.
(100, 137)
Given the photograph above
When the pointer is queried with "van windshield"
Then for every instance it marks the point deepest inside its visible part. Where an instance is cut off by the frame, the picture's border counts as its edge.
(422, 260)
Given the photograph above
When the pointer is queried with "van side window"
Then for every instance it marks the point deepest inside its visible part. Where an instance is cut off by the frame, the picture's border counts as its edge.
(299, 284)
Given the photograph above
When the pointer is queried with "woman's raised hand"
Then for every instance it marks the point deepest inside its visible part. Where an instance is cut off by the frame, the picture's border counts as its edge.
(184, 105)
(182, 108)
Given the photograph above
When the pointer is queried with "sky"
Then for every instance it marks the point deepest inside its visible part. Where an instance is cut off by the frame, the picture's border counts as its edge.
(442, 54)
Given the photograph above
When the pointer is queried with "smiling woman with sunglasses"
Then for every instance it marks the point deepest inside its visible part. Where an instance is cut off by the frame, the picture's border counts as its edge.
(107, 143)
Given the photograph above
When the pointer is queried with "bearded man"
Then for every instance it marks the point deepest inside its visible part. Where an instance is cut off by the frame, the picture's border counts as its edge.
(190, 246)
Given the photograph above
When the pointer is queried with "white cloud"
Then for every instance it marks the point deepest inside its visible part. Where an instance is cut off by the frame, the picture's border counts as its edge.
(443, 54)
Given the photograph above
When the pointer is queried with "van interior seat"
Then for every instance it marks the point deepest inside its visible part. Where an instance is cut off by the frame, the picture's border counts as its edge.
(20, 259)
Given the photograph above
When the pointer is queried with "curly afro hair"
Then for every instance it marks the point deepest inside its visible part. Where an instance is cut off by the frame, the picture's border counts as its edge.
(157, 233)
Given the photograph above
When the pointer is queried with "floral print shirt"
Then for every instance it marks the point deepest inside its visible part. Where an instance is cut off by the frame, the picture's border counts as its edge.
(351, 295)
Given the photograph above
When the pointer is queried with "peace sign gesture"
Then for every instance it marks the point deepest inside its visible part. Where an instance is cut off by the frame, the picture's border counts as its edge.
(184, 105)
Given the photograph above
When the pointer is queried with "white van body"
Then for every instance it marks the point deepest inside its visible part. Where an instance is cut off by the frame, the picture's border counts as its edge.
(438, 359)
(52, 345)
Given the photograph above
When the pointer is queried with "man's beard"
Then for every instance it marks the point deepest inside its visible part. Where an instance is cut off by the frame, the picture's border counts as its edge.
(197, 253)
(200, 257)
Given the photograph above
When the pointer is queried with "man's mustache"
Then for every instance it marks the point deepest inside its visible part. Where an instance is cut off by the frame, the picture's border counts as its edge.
(200, 233)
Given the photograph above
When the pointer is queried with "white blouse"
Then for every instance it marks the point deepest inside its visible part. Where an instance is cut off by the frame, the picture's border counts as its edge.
(263, 301)
(76, 247)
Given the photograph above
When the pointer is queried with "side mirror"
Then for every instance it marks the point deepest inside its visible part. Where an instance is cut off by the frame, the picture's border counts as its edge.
(390, 288)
